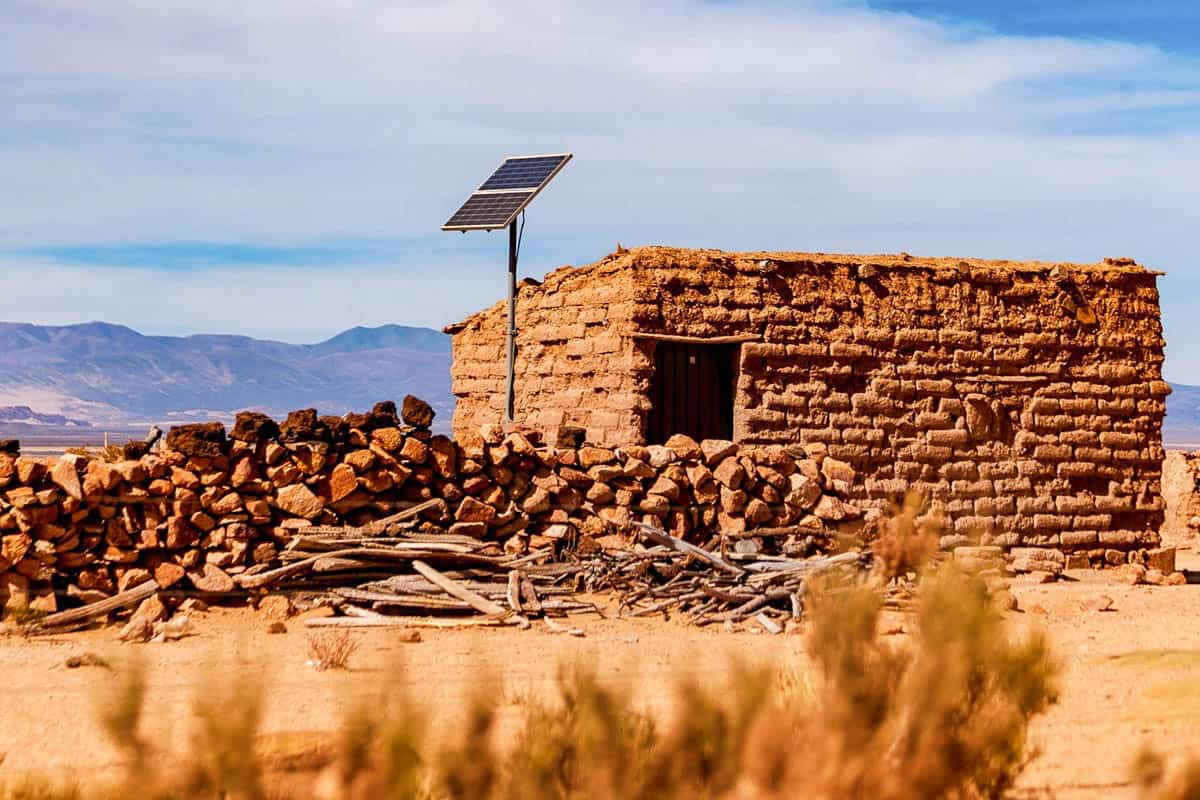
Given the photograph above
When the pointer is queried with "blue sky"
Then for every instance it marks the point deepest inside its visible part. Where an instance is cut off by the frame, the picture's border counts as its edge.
(281, 169)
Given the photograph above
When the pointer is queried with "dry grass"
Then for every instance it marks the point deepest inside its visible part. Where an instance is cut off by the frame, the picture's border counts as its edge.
(110, 453)
(943, 715)
(1158, 780)
(331, 649)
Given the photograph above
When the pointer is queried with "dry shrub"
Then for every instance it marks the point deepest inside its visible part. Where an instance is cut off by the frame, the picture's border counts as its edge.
(379, 750)
(1156, 780)
(907, 539)
(945, 717)
(221, 761)
(109, 453)
(28, 788)
(120, 716)
(331, 649)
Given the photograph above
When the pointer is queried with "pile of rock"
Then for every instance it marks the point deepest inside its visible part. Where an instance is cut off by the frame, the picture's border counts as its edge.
(213, 505)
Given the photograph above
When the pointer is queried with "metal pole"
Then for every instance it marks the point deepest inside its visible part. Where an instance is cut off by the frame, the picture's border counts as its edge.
(510, 377)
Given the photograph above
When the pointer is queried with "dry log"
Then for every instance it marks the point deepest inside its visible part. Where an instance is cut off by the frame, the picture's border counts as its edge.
(381, 525)
(117, 602)
(369, 553)
(361, 613)
(514, 591)
(529, 596)
(680, 546)
(479, 603)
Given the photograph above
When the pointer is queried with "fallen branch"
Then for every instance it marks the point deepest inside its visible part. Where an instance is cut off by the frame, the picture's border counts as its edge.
(118, 601)
(680, 546)
(455, 589)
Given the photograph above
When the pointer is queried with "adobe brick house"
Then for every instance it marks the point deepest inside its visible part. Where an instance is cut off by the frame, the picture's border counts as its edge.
(1026, 398)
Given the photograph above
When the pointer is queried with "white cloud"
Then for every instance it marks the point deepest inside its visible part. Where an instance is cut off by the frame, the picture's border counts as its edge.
(815, 125)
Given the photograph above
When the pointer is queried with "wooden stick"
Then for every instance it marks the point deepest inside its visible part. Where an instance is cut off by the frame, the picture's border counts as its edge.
(770, 625)
(802, 567)
(397, 622)
(514, 591)
(124, 599)
(680, 546)
(530, 597)
(667, 337)
(381, 524)
(361, 613)
(455, 589)
(370, 553)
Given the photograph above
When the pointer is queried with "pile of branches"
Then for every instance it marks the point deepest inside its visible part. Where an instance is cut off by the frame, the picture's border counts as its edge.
(385, 573)
(674, 576)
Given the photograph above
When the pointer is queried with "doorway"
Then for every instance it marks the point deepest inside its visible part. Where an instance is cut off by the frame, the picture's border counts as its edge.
(692, 391)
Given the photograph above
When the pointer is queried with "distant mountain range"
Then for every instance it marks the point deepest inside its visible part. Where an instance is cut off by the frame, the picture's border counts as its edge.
(1182, 426)
(109, 374)
(24, 415)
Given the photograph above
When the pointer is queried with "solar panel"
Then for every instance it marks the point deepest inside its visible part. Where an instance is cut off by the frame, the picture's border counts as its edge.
(488, 210)
(506, 192)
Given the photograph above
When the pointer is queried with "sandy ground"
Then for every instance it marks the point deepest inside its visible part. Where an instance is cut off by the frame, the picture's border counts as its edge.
(1131, 677)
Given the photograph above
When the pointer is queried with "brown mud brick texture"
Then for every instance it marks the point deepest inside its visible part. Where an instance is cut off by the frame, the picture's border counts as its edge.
(1025, 399)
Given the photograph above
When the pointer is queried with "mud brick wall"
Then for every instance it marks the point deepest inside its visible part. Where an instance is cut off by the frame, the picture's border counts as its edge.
(1026, 399)
(212, 507)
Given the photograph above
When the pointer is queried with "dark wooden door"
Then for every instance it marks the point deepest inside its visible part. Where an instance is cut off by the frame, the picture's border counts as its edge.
(692, 391)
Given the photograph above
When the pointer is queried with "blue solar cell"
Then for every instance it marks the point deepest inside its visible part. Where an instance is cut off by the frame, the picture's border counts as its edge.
(489, 210)
(523, 173)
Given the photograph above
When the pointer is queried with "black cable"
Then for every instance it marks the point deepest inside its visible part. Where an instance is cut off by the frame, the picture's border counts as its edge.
(520, 235)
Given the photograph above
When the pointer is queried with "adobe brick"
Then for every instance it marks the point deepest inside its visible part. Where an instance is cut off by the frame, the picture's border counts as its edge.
(1035, 505)
(1052, 452)
(1078, 540)
(1098, 522)
(1051, 522)
(931, 420)
(1078, 469)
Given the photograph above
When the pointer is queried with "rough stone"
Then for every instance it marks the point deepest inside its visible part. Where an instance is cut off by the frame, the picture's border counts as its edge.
(204, 439)
(210, 578)
(416, 412)
(685, 447)
(65, 473)
(298, 500)
(1037, 559)
(251, 426)
(343, 481)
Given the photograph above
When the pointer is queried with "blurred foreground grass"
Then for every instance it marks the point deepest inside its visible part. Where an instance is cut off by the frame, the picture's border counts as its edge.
(941, 714)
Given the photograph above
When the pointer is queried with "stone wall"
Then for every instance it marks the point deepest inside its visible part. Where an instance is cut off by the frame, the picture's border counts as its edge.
(212, 507)
(1025, 399)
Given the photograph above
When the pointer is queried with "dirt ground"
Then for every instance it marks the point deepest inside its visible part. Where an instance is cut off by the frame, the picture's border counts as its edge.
(1131, 677)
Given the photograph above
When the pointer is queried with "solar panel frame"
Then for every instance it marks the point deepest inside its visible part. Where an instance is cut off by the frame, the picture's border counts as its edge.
(542, 167)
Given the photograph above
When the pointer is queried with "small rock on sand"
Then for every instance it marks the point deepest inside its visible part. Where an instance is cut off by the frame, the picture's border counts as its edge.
(1097, 602)
(86, 660)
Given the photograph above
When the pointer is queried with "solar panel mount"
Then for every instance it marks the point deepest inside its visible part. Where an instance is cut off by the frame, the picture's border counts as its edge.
(496, 204)
(506, 192)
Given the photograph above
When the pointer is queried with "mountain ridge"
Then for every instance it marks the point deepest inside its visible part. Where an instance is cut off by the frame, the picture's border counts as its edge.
(104, 372)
